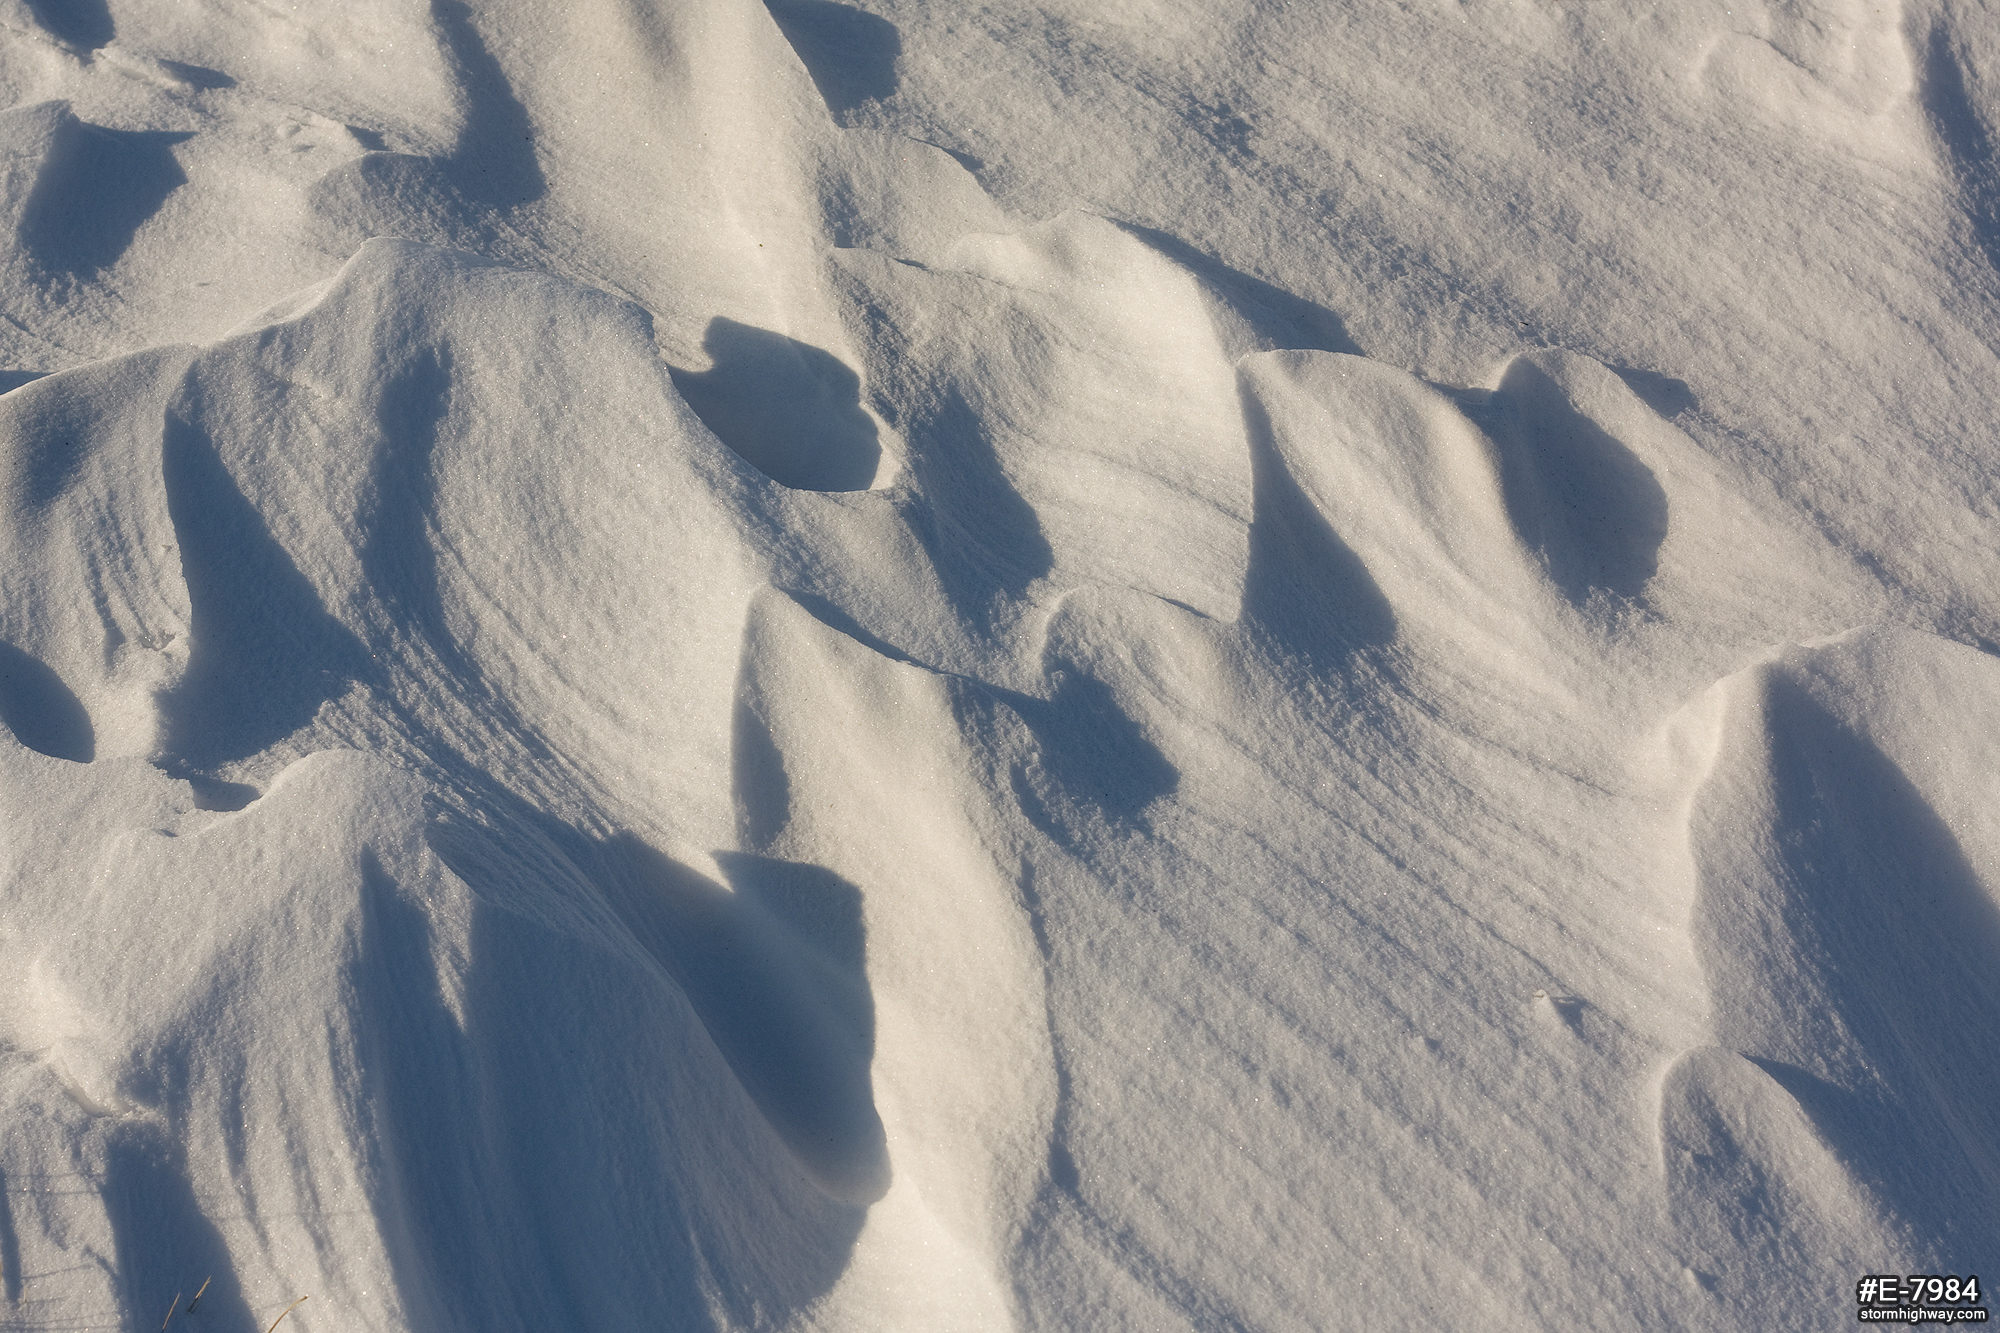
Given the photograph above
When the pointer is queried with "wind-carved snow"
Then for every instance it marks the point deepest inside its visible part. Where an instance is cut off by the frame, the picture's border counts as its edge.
(792, 668)
(1843, 860)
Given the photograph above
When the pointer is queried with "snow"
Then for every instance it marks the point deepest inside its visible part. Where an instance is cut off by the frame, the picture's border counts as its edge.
(849, 666)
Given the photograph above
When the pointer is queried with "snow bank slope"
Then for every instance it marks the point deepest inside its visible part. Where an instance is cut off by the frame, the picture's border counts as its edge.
(367, 528)
(775, 666)
(300, 1020)
(1845, 850)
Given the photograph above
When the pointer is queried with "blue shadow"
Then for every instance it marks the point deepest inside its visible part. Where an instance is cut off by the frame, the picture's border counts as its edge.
(789, 408)
(1965, 136)
(1305, 589)
(84, 23)
(41, 711)
(165, 1242)
(850, 53)
(95, 190)
(1584, 502)
(264, 654)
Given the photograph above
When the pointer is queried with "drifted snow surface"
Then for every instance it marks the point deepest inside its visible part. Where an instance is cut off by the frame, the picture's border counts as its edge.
(915, 666)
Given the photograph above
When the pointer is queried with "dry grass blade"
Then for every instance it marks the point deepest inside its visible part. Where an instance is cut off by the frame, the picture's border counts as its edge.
(281, 1318)
(197, 1296)
(170, 1312)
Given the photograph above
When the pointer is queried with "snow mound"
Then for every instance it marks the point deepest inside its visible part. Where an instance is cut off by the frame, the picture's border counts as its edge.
(1845, 919)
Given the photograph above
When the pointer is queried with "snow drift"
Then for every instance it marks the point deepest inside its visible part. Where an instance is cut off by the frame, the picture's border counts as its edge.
(776, 666)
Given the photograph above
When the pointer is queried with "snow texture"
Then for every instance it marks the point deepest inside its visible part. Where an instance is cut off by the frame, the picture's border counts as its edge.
(1065, 664)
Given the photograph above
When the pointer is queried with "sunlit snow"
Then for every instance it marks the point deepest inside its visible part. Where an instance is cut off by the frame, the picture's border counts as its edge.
(1070, 665)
